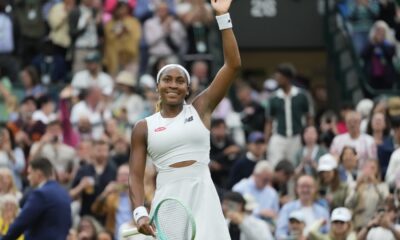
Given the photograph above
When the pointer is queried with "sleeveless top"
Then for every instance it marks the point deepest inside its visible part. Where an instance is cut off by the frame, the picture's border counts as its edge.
(177, 139)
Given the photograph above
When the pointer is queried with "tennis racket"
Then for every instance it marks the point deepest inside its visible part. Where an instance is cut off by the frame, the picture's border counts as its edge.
(172, 220)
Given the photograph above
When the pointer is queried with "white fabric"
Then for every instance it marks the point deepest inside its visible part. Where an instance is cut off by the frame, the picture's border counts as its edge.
(182, 138)
(140, 212)
(309, 218)
(254, 229)
(364, 144)
(39, 115)
(193, 186)
(393, 168)
(381, 233)
(281, 147)
(84, 80)
(6, 34)
(224, 21)
(173, 65)
(89, 38)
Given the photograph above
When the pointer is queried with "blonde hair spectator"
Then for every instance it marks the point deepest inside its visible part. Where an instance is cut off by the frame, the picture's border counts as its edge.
(7, 184)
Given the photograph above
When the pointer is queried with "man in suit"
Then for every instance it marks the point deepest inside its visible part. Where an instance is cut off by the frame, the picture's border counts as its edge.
(46, 214)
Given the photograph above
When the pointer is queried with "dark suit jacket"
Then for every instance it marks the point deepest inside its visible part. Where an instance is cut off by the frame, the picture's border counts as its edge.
(46, 215)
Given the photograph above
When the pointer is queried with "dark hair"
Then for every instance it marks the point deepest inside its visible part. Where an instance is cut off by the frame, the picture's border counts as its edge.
(386, 131)
(334, 185)
(303, 141)
(287, 70)
(43, 100)
(353, 149)
(44, 165)
(395, 122)
(33, 73)
(11, 136)
(286, 166)
(91, 221)
(235, 197)
(347, 106)
(3, 5)
(215, 122)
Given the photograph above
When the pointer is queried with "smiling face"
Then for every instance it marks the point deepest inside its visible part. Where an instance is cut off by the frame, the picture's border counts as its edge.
(173, 86)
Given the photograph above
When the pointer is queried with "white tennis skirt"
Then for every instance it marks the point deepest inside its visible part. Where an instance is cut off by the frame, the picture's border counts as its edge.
(193, 186)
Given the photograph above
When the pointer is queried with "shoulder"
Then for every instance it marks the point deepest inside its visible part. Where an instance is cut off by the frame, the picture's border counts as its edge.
(139, 130)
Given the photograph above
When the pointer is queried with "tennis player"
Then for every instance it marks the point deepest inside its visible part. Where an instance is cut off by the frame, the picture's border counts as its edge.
(177, 139)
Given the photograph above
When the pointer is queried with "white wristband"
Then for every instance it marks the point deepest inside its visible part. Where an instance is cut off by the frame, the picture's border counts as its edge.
(139, 212)
(224, 21)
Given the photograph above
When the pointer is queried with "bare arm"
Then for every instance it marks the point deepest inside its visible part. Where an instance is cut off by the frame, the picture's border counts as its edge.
(206, 102)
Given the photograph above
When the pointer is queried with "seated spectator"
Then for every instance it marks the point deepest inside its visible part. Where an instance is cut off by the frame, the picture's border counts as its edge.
(8, 101)
(122, 37)
(331, 190)
(306, 189)
(45, 112)
(7, 184)
(368, 194)
(383, 225)
(282, 180)
(378, 57)
(296, 226)
(31, 83)
(114, 203)
(224, 151)
(120, 152)
(11, 156)
(348, 166)
(258, 186)
(393, 147)
(105, 235)
(327, 128)
(244, 166)
(92, 76)
(307, 157)
(87, 229)
(363, 143)
(341, 227)
(242, 226)
(9, 209)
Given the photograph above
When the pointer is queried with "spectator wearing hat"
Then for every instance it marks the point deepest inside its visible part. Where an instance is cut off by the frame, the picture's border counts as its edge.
(244, 166)
(92, 76)
(122, 37)
(127, 101)
(258, 185)
(341, 227)
(331, 190)
(242, 225)
(393, 105)
(306, 190)
(287, 106)
(296, 226)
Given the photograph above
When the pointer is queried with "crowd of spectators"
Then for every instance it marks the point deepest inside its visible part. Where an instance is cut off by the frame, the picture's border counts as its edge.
(75, 76)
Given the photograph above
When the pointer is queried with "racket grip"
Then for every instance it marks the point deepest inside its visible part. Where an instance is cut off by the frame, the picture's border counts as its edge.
(129, 232)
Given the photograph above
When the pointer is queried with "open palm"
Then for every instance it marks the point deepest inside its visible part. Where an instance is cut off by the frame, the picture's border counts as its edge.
(221, 6)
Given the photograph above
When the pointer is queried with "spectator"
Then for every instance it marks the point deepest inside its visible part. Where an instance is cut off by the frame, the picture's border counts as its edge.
(121, 150)
(341, 123)
(242, 226)
(394, 162)
(313, 212)
(296, 226)
(9, 209)
(383, 224)
(199, 78)
(348, 166)
(165, 35)
(282, 180)
(244, 166)
(45, 112)
(378, 57)
(7, 184)
(368, 194)
(87, 229)
(224, 151)
(31, 83)
(91, 179)
(105, 235)
(11, 155)
(92, 76)
(122, 36)
(52, 147)
(307, 157)
(331, 189)
(47, 211)
(84, 23)
(341, 227)
(328, 128)
(113, 202)
(363, 143)
(127, 98)
(362, 14)
(8, 101)
(287, 106)
(258, 186)
(365, 107)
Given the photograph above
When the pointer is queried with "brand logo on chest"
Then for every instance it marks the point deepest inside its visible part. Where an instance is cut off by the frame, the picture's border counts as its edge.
(159, 129)
(189, 119)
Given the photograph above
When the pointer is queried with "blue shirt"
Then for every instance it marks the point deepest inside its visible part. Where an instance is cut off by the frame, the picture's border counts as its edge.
(282, 224)
(123, 213)
(6, 34)
(266, 198)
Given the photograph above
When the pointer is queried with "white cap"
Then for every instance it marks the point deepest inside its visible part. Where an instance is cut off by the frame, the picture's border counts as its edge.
(327, 162)
(297, 215)
(341, 214)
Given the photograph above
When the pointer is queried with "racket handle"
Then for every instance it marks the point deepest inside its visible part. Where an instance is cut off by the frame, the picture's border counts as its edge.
(129, 232)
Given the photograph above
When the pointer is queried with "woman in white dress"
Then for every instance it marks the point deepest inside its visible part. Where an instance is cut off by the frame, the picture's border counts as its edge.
(177, 139)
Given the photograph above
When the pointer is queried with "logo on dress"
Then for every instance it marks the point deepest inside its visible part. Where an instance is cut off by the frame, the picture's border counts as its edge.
(159, 129)
(189, 119)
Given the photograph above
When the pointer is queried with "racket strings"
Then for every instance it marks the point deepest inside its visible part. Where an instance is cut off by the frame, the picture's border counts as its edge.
(174, 222)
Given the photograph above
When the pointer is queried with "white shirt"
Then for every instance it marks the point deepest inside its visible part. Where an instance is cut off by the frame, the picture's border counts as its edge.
(381, 233)
(39, 115)
(89, 38)
(309, 218)
(393, 168)
(84, 80)
(6, 34)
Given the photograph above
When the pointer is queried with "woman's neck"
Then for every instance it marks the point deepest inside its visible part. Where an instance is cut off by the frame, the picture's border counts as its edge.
(378, 135)
(170, 111)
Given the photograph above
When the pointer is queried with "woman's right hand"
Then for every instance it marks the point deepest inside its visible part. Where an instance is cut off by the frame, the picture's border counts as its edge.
(144, 226)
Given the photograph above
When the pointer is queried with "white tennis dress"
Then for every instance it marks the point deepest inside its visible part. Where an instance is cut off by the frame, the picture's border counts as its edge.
(182, 138)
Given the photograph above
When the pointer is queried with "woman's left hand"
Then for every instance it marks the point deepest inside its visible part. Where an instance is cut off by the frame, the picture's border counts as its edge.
(221, 6)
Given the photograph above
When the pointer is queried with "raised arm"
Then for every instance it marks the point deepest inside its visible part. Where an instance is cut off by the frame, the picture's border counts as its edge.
(137, 164)
(206, 102)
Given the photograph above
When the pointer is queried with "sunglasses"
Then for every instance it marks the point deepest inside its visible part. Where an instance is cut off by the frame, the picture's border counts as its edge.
(338, 222)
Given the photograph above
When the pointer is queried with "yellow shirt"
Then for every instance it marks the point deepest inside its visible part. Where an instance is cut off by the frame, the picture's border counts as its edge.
(4, 229)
